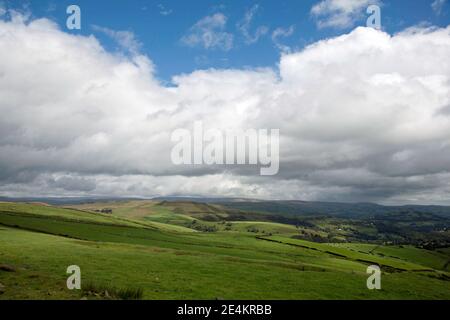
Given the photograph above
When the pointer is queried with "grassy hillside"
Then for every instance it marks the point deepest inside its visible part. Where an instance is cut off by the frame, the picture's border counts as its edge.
(137, 248)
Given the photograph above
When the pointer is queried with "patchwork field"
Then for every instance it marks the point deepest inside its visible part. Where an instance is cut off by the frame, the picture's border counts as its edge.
(180, 250)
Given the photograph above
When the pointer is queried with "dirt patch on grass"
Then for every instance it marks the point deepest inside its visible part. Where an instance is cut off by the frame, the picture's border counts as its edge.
(7, 268)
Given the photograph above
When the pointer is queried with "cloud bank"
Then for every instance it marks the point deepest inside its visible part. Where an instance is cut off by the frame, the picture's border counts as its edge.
(363, 117)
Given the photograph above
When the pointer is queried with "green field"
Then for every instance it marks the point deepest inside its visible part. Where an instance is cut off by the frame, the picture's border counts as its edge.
(156, 247)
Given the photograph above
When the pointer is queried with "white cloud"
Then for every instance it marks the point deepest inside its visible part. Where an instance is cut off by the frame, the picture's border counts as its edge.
(282, 33)
(245, 25)
(363, 116)
(125, 39)
(163, 10)
(209, 33)
(51, 7)
(437, 6)
(340, 13)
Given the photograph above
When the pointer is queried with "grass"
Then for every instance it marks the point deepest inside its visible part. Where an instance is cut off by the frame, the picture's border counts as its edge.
(432, 259)
(134, 260)
(263, 227)
(347, 253)
(110, 292)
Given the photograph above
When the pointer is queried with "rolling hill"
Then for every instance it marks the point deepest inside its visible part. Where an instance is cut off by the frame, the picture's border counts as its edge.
(189, 250)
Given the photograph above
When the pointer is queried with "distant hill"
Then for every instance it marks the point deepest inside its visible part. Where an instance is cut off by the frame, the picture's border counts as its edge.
(66, 200)
(321, 208)
(294, 207)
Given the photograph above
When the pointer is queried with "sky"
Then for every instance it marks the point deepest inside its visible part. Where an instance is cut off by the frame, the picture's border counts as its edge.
(363, 114)
(161, 26)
